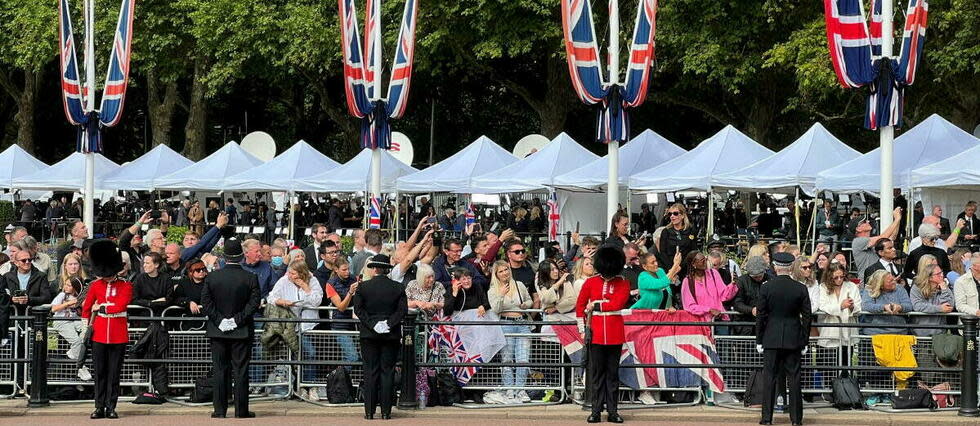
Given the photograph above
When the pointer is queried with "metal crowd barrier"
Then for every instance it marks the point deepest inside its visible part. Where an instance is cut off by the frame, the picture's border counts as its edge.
(741, 350)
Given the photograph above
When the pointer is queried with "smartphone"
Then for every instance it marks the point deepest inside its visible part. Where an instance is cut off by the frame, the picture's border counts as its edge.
(20, 293)
(431, 220)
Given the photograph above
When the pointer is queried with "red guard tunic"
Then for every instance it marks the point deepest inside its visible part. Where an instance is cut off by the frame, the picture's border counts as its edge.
(111, 327)
(613, 295)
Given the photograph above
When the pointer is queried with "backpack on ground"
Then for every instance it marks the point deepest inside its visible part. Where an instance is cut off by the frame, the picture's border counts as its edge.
(449, 390)
(846, 393)
(913, 398)
(755, 389)
(203, 390)
(340, 389)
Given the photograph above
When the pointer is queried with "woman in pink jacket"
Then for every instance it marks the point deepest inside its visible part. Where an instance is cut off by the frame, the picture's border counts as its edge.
(703, 290)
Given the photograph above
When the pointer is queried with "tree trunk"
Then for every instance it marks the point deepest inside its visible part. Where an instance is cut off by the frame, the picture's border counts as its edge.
(345, 125)
(26, 102)
(197, 117)
(558, 100)
(161, 101)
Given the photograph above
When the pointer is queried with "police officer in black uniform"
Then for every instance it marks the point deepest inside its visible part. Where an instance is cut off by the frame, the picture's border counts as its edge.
(230, 297)
(782, 332)
(380, 304)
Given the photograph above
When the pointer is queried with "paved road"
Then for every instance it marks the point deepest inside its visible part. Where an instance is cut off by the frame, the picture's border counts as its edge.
(191, 420)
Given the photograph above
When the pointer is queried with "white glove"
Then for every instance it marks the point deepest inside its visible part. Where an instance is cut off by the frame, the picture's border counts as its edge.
(381, 327)
(227, 325)
(805, 350)
(758, 348)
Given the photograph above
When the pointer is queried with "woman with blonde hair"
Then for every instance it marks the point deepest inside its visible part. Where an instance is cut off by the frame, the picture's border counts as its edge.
(958, 262)
(931, 294)
(300, 292)
(802, 270)
(678, 236)
(507, 296)
(882, 295)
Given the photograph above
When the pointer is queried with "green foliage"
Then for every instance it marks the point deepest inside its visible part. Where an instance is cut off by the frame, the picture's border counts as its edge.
(30, 31)
(175, 234)
(6, 212)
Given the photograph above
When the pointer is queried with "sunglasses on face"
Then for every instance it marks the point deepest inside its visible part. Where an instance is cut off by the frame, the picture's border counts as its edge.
(199, 270)
(28, 260)
(521, 251)
(805, 267)
(675, 213)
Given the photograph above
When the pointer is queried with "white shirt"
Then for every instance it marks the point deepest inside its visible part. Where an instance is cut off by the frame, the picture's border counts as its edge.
(306, 303)
(890, 267)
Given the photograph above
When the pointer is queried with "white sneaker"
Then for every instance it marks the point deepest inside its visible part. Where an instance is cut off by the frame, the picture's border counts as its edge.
(647, 398)
(494, 398)
(522, 396)
(314, 395)
(84, 374)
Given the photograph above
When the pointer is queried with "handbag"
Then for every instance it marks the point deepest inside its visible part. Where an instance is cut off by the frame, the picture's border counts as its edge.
(846, 393)
(913, 398)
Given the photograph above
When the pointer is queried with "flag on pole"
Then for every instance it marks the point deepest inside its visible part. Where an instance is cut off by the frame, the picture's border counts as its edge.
(554, 216)
(470, 214)
(374, 220)
(855, 53)
(71, 88)
(117, 77)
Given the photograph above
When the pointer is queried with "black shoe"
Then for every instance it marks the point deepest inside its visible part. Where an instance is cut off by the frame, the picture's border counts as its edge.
(595, 418)
(615, 418)
(99, 413)
(217, 415)
(245, 415)
(763, 422)
(111, 414)
(385, 416)
(369, 417)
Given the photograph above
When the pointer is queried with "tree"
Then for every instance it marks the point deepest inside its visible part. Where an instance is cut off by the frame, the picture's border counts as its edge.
(30, 45)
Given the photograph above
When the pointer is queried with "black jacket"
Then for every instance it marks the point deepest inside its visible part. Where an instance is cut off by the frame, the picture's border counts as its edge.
(38, 287)
(231, 292)
(188, 291)
(912, 262)
(877, 266)
(380, 299)
(784, 317)
(746, 299)
(147, 289)
(155, 344)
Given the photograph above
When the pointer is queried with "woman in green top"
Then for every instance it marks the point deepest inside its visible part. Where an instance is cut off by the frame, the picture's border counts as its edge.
(654, 283)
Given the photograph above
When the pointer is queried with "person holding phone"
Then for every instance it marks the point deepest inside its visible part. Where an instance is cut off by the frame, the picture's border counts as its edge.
(840, 302)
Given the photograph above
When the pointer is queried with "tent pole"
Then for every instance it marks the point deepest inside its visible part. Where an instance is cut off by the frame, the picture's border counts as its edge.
(612, 197)
(397, 217)
(887, 132)
(292, 215)
(796, 214)
(813, 227)
(88, 214)
(711, 215)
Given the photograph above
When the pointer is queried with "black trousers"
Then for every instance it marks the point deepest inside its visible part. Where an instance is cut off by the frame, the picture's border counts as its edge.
(107, 361)
(231, 357)
(787, 362)
(604, 376)
(379, 373)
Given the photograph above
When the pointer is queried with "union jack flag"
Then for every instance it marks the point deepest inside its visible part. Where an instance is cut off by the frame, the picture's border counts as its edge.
(374, 220)
(117, 77)
(359, 70)
(554, 216)
(855, 53)
(71, 88)
(444, 338)
(586, 72)
(470, 214)
(660, 344)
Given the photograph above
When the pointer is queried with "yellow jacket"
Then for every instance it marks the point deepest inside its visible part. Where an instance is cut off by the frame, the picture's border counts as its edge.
(893, 350)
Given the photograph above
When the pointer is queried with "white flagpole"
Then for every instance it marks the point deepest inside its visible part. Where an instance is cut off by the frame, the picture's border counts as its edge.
(376, 152)
(612, 189)
(88, 215)
(887, 132)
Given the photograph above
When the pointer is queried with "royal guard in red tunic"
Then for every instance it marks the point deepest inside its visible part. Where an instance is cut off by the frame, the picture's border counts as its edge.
(602, 297)
(107, 299)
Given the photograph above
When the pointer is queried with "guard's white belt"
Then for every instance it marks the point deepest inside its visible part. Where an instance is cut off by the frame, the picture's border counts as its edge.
(116, 315)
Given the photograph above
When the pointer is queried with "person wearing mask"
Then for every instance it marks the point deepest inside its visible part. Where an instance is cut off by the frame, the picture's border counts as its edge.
(889, 302)
(863, 244)
(654, 283)
(338, 291)
(380, 304)
(931, 295)
(600, 301)
(153, 288)
(520, 268)
(782, 324)
(840, 302)
(277, 261)
(423, 293)
(929, 235)
(966, 289)
(749, 285)
(231, 296)
(300, 292)
(253, 263)
(506, 297)
(703, 293)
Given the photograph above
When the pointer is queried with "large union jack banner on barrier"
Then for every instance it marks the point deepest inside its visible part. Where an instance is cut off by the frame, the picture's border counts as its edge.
(117, 78)
(585, 69)
(359, 70)
(855, 51)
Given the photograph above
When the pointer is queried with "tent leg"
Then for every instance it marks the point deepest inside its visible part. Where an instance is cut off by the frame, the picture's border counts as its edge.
(711, 216)
(292, 215)
(796, 214)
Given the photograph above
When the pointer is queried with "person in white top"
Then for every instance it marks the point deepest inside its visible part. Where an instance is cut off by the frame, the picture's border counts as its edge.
(507, 296)
(966, 289)
(300, 292)
(840, 301)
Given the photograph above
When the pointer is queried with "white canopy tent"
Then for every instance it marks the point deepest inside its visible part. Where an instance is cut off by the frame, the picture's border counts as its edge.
(727, 150)
(932, 140)
(536, 171)
(796, 165)
(15, 162)
(286, 172)
(949, 183)
(212, 172)
(355, 175)
(67, 174)
(646, 150)
(141, 173)
(456, 173)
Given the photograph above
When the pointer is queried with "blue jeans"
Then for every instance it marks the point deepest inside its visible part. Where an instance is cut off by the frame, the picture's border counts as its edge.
(346, 342)
(518, 349)
(308, 372)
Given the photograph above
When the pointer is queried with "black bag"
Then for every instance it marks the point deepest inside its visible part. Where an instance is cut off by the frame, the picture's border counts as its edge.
(150, 398)
(203, 390)
(433, 400)
(678, 397)
(846, 393)
(449, 390)
(340, 389)
(914, 398)
(755, 389)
